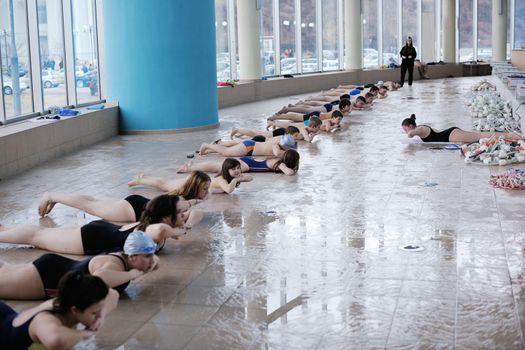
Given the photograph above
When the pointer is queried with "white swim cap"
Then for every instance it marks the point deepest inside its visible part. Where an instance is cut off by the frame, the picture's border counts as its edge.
(139, 242)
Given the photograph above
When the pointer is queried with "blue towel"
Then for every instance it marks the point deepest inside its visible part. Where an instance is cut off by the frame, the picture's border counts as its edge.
(96, 107)
(68, 112)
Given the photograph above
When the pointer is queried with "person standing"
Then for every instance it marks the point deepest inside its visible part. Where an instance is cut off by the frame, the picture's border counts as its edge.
(408, 54)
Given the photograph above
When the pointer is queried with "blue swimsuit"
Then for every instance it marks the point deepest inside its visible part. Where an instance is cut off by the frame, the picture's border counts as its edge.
(13, 338)
(255, 165)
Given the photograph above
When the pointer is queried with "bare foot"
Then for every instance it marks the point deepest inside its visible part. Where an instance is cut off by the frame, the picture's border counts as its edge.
(282, 110)
(269, 125)
(202, 150)
(185, 168)
(290, 105)
(233, 133)
(46, 205)
(137, 180)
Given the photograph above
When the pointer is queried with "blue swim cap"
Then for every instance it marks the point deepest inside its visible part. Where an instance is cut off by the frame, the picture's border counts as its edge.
(139, 242)
(355, 92)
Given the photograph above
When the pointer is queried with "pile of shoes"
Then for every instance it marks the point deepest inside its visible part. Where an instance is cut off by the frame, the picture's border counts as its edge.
(483, 85)
(492, 112)
(495, 151)
(513, 179)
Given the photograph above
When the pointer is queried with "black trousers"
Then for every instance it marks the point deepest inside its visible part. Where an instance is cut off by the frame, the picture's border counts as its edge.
(407, 65)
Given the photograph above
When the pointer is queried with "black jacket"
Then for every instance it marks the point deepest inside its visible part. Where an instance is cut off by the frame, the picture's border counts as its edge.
(408, 51)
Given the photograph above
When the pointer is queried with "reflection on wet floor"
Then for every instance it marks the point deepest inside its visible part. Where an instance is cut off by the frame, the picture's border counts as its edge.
(313, 261)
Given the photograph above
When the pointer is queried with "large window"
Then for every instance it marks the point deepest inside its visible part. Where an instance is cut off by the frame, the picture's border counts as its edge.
(519, 24)
(410, 22)
(466, 34)
(86, 53)
(14, 49)
(370, 53)
(390, 32)
(428, 31)
(51, 38)
(308, 36)
(330, 40)
(267, 38)
(287, 29)
(222, 42)
(484, 30)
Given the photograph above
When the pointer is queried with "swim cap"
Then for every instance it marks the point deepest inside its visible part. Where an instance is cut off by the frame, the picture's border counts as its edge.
(355, 92)
(139, 242)
(287, 141)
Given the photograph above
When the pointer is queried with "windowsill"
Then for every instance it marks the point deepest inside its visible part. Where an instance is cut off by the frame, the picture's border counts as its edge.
(31, 123)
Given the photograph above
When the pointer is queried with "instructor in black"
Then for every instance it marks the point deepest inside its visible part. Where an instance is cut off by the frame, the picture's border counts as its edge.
(408, 54)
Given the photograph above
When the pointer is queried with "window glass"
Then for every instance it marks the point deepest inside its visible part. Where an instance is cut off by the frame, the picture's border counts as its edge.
(267, 38)
(370, 54)
(222, 42)
(52, 52)
(330, 35)
(485, 30)
(390, 33)
(86, 53)
(287, 29)
(428, 31)
(14, 49)
(410, 20)
(519, 24)
(466, 38)
(308, 36)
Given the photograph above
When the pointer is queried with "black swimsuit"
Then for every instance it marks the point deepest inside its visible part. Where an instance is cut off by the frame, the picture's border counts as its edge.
(13, 338)
(100, 236)
(138, 203)
(51, 267)
(442, 136)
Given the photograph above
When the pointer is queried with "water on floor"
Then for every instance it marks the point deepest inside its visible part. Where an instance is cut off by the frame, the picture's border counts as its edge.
(313, 261)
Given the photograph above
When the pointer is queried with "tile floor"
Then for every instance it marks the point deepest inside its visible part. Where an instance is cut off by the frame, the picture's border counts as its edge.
(312, 261)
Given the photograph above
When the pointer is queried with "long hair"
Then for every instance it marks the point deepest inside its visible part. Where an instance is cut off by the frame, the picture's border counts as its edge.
(193, 185)
(157, 209)
(228, 164)
(290, 159)
(77, 289)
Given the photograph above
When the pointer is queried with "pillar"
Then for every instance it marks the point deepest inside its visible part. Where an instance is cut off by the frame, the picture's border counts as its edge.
(353, 35)
(499, 30)
(448, 26)
(161, 65)
(248, 24)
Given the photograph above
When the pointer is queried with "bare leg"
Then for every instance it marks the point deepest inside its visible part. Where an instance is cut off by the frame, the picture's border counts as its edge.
(107, 209)
(296, 109)
(323, 99)
(296, 117)
(252, 133)
(21, 282)
(458, 135)
(59, 239)
(234, 151)
(209, 167)
(162, 184)
(229, 143)
(313, 103)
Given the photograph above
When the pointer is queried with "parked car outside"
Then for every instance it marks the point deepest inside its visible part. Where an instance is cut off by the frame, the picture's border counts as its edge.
(51, 79)
(8, 86)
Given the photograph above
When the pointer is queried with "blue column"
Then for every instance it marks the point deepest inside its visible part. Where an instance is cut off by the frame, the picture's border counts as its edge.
(160, 60)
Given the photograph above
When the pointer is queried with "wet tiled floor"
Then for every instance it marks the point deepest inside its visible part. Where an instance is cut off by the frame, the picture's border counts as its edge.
(313, 261)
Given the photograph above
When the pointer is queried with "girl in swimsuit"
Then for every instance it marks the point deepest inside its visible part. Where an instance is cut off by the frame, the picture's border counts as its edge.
(288, 164)
(453, 134)
(82, 299)
(193, 190)
(39, 279)
(161, 219)
(229, 177)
